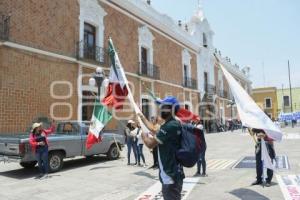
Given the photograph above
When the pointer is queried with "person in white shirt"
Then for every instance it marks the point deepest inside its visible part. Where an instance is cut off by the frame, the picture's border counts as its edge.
(140, 145)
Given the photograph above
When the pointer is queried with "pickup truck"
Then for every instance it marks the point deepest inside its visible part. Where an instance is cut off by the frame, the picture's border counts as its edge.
(67, 141)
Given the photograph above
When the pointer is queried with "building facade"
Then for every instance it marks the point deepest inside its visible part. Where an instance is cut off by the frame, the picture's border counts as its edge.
(266, 99)
(286, 104)
(50, 49)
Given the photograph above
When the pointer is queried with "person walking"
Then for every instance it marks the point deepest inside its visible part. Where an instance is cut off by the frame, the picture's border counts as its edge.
(201, 162)
(131, 141)
(39, 144)
(167, 140)
(140, 145)
(261, 135)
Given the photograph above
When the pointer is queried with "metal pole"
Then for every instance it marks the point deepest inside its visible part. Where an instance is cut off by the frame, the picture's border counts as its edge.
(291, 98)
(282, 110)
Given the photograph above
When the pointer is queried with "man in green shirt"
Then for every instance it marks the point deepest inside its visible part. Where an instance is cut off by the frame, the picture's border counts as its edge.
(167, 139)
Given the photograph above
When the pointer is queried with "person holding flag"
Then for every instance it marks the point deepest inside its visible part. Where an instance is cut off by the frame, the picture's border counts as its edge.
(263, 161)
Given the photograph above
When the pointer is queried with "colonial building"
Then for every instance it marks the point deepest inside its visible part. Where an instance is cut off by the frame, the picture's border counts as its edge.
(266, 99)
(49, 50)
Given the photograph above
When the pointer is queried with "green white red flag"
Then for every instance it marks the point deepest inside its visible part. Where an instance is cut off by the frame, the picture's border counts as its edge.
(117, 90)
(101, 116)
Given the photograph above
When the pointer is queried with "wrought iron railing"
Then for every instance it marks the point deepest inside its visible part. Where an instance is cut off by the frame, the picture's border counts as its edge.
(149, 70)
(91, 53)
(209, 89)
(189, 82)
(223, 94)
(4, 27)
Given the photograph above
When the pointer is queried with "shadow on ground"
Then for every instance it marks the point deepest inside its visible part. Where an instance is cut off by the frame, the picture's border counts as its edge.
(247, 194)
(68, 165)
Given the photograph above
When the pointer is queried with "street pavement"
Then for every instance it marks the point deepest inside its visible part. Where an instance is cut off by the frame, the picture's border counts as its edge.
(99, 178)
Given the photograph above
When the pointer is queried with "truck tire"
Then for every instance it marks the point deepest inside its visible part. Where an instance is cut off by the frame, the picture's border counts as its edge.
(55, 161)
(28, 165)
(113, 152)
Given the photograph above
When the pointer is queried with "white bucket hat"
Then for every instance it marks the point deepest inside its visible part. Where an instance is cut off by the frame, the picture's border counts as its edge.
(35, 125)
(130, 121)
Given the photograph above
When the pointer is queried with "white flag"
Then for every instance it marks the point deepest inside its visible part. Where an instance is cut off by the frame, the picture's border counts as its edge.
(265, 157)
(250, 113)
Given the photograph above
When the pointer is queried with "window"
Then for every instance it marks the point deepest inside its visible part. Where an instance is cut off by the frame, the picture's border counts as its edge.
(146, 107)
(89, 41)
(205, 82)
(144, 60)
(146, 52)
(204, 40)
(286, 101)
(87, 106)
(268, 103)
(187, 107)
(185, 74)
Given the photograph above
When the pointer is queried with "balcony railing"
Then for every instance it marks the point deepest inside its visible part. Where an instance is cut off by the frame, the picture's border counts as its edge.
(223, 94)
(91, 53)
(210, 89)
(189, 82)
(4, 27)
(149, 70)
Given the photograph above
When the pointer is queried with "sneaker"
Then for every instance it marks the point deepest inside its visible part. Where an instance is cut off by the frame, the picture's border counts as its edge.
(144, 165)
(268, 184)
(256, 183)
(204, 175)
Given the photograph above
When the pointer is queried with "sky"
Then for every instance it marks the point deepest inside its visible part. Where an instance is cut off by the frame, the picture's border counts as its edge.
(262, 34)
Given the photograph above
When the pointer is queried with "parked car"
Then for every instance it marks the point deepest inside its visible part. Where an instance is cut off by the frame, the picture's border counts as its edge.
(69, 140)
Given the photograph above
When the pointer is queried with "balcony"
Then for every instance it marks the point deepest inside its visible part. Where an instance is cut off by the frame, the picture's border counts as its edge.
(209, 89)
(223, 94)
(4, 27)
(189, 82)
(94, 54)
(149, 70)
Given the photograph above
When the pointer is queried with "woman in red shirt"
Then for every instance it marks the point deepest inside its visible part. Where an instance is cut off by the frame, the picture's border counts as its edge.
(39, 143)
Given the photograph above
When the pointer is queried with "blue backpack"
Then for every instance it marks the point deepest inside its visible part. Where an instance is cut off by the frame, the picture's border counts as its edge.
(190, 146)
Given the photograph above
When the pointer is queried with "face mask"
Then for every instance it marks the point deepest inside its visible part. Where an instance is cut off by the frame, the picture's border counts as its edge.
(164, 115)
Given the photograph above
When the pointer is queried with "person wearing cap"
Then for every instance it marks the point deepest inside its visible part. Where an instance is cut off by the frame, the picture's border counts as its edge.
(201, 162)
(167, 140)
(260, 134)
(39, 144)
(131, 140)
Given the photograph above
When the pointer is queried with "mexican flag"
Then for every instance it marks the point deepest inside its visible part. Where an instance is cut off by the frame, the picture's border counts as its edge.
(116, 90)
(101, 116)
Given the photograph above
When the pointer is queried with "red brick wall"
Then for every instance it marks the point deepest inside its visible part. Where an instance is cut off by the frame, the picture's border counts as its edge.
(51, 25)
(25, 88)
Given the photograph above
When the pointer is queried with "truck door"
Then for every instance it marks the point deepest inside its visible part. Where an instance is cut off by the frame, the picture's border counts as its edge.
(70, 138)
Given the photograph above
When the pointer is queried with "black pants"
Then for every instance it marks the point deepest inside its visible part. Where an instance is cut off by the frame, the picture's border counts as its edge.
(172, 191)
(259, 164)
(202, 163)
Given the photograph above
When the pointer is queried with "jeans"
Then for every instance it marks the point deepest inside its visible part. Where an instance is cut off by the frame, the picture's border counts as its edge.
(172, 191)
(131, 144)
(140, 153)
(42, 159)
(201, 162)
(155, 156)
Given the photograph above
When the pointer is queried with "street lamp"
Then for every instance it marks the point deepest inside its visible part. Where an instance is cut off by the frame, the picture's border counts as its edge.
(97, 79)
